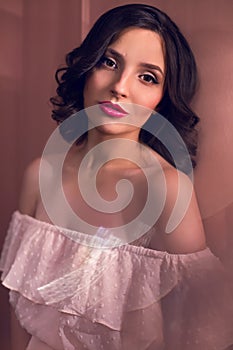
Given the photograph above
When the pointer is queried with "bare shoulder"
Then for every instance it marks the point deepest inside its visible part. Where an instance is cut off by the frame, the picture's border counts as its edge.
(177, 184)
(179, 226)
(29, 193)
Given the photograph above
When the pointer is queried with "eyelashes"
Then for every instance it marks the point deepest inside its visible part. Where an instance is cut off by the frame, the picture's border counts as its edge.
(149, 78)
(110, 63)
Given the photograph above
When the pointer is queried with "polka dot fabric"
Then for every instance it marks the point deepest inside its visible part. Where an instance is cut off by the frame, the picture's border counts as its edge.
(69, 295)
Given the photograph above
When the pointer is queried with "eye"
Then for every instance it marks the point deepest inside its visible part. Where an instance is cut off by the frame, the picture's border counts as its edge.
(109, 62)
(149, 78)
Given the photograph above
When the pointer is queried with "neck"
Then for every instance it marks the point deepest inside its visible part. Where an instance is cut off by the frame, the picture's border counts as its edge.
(116, 150)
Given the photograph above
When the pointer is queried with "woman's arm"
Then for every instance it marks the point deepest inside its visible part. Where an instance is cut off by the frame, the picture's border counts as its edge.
(27, 205)
(188, 236)
(29, 194)
(19, 337)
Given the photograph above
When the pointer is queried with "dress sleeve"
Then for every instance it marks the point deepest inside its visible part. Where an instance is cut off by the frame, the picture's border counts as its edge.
(198, 312)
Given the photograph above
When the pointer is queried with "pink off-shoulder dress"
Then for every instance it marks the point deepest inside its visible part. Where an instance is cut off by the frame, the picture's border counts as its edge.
(69, 293)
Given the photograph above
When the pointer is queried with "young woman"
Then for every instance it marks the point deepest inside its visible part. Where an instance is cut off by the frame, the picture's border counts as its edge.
(86, 278)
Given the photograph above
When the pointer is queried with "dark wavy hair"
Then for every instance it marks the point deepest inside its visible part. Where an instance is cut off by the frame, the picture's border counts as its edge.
(180, 75)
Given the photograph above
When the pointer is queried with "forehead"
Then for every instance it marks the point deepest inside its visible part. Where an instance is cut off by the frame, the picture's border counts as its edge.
(144, 44)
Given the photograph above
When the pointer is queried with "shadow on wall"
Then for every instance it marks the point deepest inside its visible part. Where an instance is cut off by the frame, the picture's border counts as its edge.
(34, 38)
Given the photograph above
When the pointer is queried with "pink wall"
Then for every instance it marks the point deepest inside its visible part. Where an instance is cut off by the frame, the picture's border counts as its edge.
(34, 37)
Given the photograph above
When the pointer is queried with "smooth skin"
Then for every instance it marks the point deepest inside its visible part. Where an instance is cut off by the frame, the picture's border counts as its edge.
(132, 71)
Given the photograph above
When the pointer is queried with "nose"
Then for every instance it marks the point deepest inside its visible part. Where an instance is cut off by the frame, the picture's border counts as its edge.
(120, 86)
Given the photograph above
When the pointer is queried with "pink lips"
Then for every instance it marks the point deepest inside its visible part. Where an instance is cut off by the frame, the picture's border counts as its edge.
(112, 109)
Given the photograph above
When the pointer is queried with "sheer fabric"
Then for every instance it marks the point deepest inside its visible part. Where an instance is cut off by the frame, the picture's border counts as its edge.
(69, 295)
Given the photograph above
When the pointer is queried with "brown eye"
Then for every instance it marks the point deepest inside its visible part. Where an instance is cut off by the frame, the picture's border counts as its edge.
(149, 78)
(108, 62)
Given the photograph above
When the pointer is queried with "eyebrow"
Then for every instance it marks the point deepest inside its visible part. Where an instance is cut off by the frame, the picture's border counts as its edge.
(141, 64)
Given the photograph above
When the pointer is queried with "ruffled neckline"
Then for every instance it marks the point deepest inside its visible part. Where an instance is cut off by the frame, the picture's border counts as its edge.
(112, 292)
(88, 239)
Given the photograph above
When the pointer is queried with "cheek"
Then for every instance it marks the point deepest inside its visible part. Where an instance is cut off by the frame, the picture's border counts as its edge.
(88, 85)
(96, 80)
(152, 100)
(93, 85)
(88, 92)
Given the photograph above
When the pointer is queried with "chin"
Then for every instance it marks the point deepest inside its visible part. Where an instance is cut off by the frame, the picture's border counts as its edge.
(112, 128)
(120, 130)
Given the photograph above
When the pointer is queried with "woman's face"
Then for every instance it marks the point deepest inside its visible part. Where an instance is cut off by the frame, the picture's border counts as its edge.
(132, 71)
